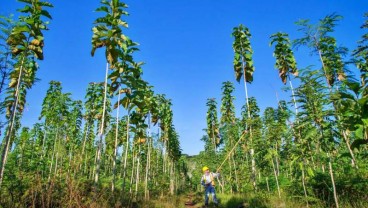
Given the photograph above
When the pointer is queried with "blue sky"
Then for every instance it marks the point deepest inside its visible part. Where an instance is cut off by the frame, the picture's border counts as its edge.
(187, 48)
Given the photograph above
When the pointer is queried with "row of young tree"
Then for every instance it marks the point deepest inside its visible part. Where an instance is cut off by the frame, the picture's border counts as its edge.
(83, 153)
(312, 147)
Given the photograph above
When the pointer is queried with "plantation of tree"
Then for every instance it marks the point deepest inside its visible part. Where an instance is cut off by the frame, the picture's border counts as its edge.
(119, 146)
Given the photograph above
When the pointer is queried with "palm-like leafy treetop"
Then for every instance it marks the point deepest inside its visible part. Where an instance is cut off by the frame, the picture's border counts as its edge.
(285, 60)
(108, 30)
(26, 42)
(27, 36)
(243, 62)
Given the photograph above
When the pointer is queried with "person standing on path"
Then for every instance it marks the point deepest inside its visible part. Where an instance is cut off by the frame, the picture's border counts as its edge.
(208, 181)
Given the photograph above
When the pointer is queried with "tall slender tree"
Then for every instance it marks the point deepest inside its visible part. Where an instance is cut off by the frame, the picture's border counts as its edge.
(213, 130)
(318, 38)
(108, 33)
(228, 126)
(26, 42)
(285, 60)
(243, 66)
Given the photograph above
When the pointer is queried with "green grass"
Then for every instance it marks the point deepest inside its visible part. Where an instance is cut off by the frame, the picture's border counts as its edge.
(249, 200)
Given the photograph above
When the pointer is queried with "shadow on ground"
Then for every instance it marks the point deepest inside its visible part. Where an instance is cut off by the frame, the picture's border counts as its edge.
(236, 202)
(228, 202)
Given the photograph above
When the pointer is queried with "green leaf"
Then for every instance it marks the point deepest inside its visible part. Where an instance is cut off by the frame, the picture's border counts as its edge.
(46, 14)
(26, 9)
(102, 9)
(365, 121)
(359, 132)
(46, 4)
(310, 172)
(363, 101)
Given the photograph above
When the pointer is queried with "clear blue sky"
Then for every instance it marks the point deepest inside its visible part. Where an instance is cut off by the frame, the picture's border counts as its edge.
(186, 45)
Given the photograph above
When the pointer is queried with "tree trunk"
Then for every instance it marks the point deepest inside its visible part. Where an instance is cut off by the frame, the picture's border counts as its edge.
(172, 186)
(101, 129)
(115, 145)
(126, 151)
(133, 167)
(353, 161)
(164, 157)
(277, 160)
(303, 181)
(148, 166)
(293, 95)
(56, 163)
(137, 174)
(53, 153)
(250, 130)
(277, 180)
(253, 169)
(148, 163)
(231, 176)
(4, 155)
(332, 180)
(268, 187)
(213, 137)
(43, 153)
(84, 146)
(94, 162)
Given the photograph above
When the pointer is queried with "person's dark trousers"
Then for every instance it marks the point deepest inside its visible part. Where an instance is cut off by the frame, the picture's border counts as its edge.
(210, 190)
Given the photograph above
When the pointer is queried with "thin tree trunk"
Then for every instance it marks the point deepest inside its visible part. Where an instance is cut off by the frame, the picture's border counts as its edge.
(259, 176)
(43, 152)
(332, 180)
(85, 164)
(101, 129)
(250, 130)
(56, 163)
(172, 186)
(132, 173)
(253, 168)
(53, 153)
(293, 95)
(115, 145)
(277, 160)
(236, 173)
(148, 166)
(176, 185)
(323, 63)
(4, 155)
(230, 172)
(213, 137)
(94, 162)
(84, 145)
(148, 163)
(126, 151)
(277, 180)
(164, 156)
(304, 188)
(137, 174)
(353, 161)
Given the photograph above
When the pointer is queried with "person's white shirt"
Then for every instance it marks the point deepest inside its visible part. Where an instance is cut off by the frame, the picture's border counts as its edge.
(206, 178)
